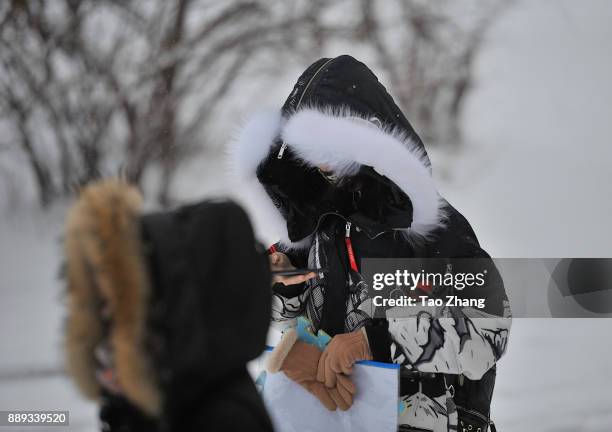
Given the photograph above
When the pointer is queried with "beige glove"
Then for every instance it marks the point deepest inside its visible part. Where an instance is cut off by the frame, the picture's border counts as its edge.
(339, 356)
(299, 361)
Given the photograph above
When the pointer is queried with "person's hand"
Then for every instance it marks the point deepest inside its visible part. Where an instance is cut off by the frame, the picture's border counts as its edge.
(339, 357)
(280, 261)
(299, 361)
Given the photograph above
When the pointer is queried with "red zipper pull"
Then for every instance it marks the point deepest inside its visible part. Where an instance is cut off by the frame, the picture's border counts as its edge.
(349, 248)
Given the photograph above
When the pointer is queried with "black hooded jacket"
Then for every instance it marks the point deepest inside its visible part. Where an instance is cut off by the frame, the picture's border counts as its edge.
(164, 295)
(301, 193)
(205, 323)
(341, 160)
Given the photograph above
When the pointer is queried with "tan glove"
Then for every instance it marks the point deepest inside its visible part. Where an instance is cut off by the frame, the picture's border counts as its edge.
(299, 361)
(339, 357)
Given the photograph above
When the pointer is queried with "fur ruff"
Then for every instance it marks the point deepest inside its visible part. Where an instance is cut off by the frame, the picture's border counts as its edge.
(248, 148)
(341, 140)
(105, 266)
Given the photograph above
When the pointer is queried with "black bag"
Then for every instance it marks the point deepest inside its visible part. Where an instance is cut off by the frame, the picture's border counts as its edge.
(473, 400)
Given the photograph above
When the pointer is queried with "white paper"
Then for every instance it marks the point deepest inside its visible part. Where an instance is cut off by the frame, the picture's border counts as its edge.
(375, 406)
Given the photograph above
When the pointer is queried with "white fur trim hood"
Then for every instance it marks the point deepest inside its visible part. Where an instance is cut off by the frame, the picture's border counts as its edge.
(342, 141)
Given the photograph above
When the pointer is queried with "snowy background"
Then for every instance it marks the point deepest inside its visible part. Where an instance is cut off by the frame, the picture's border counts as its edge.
(533, 177)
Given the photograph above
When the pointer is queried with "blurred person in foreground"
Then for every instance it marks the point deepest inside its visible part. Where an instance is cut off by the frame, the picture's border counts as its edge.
(339, 174)
(160, 322)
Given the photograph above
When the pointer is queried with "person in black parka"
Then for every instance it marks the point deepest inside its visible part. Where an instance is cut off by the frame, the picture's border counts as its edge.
(161, 324)
(336, 175)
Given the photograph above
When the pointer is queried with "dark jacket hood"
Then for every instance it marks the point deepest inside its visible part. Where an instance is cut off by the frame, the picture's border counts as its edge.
(210, 321)
(339, 117)
(182, 321)
(342, 83)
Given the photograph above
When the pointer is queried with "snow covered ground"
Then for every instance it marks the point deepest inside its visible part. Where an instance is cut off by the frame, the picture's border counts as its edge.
(31, 316)
(538, 184)
(534, 180)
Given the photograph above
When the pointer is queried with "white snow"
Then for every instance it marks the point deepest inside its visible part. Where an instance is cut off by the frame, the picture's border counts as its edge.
(31, 316)
(537, 180)
(537, 183)
(534, 180)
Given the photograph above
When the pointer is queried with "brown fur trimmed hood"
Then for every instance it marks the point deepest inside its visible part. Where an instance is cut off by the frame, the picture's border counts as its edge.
(105, 267)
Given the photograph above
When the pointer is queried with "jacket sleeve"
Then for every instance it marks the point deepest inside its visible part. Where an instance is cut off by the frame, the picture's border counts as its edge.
(289, 301)
(448, 339)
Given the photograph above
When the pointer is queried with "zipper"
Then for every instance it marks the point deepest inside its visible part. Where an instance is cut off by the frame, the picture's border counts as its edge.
(349, 248)
(474, 413)
(311, 80)
(366, 232)
(281, 152)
